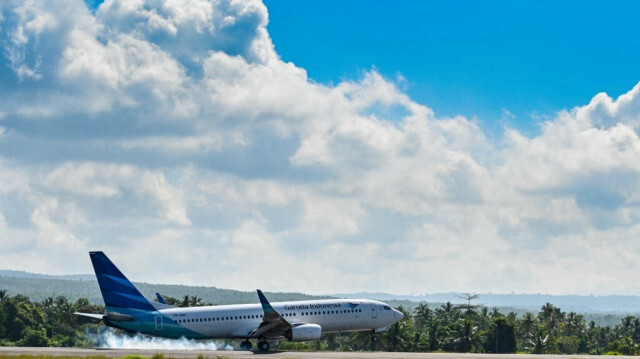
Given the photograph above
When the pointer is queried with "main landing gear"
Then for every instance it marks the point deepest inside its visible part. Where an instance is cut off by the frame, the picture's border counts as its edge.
(263, 346)
(245, 345)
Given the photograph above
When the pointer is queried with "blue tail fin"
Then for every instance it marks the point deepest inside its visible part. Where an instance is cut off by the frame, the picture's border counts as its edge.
(117, 290)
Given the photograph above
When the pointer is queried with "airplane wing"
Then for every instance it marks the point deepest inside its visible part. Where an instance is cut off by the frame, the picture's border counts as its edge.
(273, 324)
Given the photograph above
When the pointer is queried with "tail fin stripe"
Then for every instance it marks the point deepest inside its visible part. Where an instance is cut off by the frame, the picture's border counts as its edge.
(132, 297)
(122, 281)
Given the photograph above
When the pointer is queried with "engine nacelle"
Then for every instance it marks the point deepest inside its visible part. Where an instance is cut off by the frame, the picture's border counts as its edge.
(305, 332)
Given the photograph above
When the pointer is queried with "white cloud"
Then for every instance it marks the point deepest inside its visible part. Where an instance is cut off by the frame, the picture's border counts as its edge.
(173, 129)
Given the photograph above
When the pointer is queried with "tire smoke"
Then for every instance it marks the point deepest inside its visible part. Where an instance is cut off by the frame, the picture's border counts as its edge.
(109, 338)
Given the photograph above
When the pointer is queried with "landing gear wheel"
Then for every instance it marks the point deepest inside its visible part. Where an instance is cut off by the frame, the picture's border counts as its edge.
(374, 337)
(263, 346)
(245, 345)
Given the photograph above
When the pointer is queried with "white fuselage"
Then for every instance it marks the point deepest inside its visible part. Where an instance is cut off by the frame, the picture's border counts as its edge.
(238, 321)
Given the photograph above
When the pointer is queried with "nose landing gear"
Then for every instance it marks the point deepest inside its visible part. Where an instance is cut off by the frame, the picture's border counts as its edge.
(374, 337)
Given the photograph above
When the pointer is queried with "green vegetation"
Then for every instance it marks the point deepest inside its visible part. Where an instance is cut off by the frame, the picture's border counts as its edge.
(47, 323)
(460, 328)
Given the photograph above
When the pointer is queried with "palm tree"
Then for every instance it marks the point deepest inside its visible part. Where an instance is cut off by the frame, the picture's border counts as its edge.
(422, 316)
(526, 328)
(466, 336)
(469, 309)
(574, 324)
(537, 342)
(551, 316)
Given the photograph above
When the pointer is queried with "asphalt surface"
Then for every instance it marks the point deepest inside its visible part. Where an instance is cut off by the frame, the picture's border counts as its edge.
(215, 354)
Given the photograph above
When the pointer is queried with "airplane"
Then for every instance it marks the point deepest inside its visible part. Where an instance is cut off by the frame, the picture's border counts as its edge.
(129, 310)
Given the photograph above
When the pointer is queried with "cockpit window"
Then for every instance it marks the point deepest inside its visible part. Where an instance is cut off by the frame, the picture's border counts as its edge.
(386, 307)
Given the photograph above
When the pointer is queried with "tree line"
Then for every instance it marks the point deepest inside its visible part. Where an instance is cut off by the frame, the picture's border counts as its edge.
(463, 328)
(472, 328)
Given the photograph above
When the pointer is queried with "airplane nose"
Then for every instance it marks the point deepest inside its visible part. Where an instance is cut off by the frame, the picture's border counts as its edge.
(398, 315)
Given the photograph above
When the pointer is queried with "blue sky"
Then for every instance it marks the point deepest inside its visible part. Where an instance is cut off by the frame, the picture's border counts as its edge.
(328, 146)
(474, 58)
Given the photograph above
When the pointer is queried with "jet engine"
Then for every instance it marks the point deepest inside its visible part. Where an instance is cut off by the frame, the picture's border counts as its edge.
(304, 332)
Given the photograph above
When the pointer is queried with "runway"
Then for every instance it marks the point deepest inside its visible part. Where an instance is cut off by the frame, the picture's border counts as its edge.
(220, 354)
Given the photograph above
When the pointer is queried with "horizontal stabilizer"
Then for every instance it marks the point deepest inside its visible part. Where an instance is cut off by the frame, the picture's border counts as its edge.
(117, 317)
(90, 315)
(113, 316)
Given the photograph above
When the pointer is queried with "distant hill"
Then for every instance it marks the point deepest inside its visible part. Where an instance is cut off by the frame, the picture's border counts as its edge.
(23, 274)
(604, 310)
(40, 286)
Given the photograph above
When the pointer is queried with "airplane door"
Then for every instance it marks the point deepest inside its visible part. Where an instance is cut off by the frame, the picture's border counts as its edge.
(158, 323)
(374, 311)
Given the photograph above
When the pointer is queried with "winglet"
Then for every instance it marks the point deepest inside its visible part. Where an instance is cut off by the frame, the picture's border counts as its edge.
(160, 299)
(266, 306)
(272, 321)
